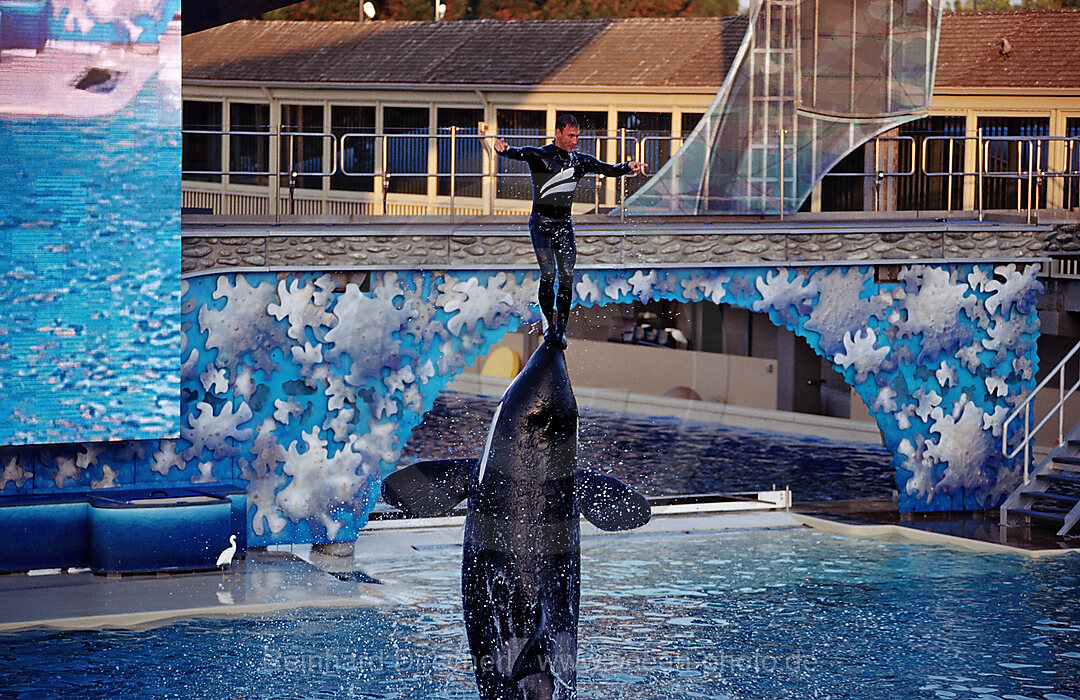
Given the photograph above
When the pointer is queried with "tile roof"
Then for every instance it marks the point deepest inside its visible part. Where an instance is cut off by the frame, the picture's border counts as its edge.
(661, 52)
(480, 52)
(1045, 49)
(688, 51)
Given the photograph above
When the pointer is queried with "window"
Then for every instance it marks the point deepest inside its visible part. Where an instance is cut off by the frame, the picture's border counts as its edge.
(844, 192)
(520, 127)
(406, 155)
(1072, 150)
(347, 124)
(249, 153)
(302, 153)
(940, 155)
(201, 151)
(1007, 159)
(593, 125)
(468, 156)
(652, 131)
(690, 121)
(511, 121)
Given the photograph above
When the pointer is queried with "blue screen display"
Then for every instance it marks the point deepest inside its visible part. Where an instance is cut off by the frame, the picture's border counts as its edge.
(89, 221)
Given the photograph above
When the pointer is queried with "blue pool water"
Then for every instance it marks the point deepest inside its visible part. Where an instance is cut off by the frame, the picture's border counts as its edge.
(89, 290)
(758, 614)
(661, 456)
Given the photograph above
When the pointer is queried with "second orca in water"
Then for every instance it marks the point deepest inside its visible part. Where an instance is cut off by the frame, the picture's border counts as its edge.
(521, 564)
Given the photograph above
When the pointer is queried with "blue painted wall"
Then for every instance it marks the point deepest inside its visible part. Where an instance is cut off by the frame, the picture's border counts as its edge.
(305, 388)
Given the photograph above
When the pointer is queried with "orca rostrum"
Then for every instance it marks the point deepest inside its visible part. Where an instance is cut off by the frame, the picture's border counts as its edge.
(521, 563)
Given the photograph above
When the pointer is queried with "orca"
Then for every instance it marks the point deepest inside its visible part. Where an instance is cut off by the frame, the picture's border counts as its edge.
(521, 560)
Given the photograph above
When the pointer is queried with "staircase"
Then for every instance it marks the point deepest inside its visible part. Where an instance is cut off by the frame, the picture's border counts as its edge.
(1050, 494)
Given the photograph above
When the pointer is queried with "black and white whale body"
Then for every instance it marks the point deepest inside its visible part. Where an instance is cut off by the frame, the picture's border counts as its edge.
(520, 571)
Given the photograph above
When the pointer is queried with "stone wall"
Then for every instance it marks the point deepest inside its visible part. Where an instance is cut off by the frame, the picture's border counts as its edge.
(423, 244)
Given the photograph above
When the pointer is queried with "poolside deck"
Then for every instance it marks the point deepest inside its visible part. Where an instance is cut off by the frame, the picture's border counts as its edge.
(270, 580)
(283, 578)
(979, 530)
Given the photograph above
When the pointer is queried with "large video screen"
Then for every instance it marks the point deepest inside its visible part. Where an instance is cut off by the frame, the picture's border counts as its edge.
(89, 220)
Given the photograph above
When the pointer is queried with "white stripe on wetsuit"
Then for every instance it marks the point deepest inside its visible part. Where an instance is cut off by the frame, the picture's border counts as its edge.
(559, 183)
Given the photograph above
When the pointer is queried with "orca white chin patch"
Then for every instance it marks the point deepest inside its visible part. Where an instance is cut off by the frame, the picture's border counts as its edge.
(487, 444)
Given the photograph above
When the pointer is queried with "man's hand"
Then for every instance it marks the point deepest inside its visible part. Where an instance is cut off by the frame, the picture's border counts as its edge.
(636, 166)
(500, 145)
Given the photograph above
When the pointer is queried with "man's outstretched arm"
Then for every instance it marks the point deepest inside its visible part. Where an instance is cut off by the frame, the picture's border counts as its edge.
(593, 165)
(523, 153)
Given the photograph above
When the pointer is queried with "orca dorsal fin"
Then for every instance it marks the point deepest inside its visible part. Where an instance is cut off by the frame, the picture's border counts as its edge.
(432, 488)
(608, 503)
(535, 656)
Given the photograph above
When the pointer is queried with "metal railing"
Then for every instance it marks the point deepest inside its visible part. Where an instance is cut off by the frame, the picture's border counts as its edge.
(1025, 408)
(880, 172)
(1032, 165)
(392, 157)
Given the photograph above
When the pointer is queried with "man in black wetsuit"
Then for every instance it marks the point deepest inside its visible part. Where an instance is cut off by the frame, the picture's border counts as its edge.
(556, 170)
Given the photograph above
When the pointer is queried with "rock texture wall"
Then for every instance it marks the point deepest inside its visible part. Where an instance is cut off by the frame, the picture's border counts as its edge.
(304, 386)
(599, 245)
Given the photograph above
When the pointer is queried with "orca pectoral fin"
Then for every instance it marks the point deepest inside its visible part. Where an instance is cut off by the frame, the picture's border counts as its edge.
(430, 489)
(608, 503)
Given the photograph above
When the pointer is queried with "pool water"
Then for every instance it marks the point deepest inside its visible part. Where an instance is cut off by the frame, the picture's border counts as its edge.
(663, 456)
(89, 283)
(769, 613)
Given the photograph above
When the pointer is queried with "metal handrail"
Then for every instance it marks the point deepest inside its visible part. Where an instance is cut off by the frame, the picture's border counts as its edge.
(452, 137)
(676, 143)
(1025, 407)
(878, 173)
(634, 145)
(291, 170)
(625, 144)
(339, 151)
(1038, 149)
(220, 133)
(952, 140)
(268, 134)
(1036, 141)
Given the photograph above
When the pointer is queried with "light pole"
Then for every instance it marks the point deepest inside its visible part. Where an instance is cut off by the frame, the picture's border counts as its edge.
(440, 10)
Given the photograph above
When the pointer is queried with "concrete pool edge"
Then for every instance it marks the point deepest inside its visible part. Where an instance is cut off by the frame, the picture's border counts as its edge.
(900, 531)
(270, 581)
(143, 602)
(264, 583)
(140, 621)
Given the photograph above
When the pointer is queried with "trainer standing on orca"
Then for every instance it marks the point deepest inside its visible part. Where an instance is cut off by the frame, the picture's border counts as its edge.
(556, 170)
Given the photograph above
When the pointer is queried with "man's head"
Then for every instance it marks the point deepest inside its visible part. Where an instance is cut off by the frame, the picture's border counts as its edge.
(567, 132)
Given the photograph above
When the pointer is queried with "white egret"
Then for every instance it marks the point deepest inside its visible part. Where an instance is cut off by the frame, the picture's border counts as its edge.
(225, 558)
